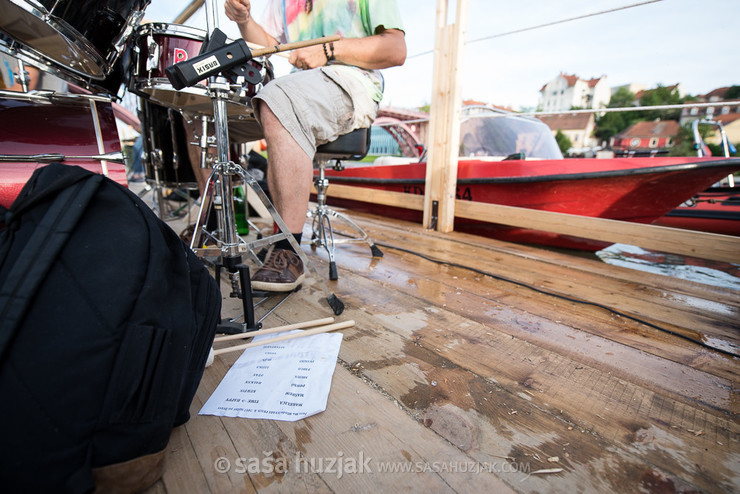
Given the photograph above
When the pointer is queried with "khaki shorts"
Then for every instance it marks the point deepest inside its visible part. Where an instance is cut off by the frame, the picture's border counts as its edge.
(317, 106)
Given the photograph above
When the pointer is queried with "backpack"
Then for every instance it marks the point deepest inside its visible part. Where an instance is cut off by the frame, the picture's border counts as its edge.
(106, 321)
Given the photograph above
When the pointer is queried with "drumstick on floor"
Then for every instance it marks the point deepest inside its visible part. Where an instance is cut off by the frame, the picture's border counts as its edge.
(308, 332)
(288, 327)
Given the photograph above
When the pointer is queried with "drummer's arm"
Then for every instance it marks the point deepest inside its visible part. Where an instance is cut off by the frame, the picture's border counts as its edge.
(254, 33)
(239, 12)
(380, 51)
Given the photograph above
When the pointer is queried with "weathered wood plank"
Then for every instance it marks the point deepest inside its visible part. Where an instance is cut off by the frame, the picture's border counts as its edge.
(458, 368)
(430, 362)
(642, 295)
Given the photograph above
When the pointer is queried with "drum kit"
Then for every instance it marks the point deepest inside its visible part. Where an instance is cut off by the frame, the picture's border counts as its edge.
(99, 49)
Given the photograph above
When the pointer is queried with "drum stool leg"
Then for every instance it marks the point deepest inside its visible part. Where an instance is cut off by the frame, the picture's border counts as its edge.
(322, 230)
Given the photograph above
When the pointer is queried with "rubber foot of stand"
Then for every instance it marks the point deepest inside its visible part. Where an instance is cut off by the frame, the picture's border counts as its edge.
(227, 326)
(336, 305)
(333, 274)
(376, 251)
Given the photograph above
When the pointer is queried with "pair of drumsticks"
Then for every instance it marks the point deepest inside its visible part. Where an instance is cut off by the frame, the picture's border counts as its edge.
(317, 326)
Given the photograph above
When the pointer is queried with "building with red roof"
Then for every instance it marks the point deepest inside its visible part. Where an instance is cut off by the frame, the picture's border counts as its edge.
(566, 92)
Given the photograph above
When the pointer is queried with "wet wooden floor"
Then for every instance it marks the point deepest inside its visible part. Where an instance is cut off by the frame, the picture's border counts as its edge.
(498, 368)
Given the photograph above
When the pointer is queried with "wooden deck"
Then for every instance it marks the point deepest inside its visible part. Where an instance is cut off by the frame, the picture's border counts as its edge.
(456, 381)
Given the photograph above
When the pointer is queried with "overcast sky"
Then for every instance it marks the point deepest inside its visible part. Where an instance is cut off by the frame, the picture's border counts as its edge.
(692, 42)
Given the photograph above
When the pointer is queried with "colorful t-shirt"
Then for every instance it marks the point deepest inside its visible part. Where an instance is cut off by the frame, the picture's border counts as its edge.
(298, 20)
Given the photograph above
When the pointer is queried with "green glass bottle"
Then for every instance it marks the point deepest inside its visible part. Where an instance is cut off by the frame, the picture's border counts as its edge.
(240, 211)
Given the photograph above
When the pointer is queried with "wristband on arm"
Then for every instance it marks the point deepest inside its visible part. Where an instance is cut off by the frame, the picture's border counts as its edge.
(331, 57)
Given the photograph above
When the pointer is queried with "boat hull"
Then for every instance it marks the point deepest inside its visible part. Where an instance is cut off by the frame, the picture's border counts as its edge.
(630, 189)
(716, 210)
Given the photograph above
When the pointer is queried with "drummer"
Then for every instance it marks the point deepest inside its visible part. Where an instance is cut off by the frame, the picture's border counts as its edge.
(335, 88)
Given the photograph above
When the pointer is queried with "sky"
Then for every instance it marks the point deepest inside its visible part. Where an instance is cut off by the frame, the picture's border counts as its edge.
(667, 42)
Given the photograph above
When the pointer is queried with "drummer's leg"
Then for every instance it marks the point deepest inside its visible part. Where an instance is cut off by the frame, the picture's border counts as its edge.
(290, 173)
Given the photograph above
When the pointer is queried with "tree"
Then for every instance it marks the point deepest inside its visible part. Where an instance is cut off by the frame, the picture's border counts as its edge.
(612, 123)
(563, 141)
(661, 96)
(684, 143)
(733, 93)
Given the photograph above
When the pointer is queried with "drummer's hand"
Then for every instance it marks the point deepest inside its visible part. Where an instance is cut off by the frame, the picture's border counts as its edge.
(308, 58)
(238, 10)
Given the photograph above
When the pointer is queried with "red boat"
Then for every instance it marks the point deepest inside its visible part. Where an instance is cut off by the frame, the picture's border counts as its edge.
(514, 161)
(715, 210)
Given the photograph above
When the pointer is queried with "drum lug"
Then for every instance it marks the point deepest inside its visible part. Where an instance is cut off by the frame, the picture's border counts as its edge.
(120, 44)
(152, 61)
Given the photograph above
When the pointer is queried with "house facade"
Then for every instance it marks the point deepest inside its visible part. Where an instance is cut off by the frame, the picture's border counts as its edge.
(724, 106)
(565, 92)
(726, 110)
(578, 127)
(647, 137)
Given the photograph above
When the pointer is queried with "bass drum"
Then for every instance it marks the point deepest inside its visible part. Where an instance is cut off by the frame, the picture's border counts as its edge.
(85, 37)
(74, 126)
(166, 147)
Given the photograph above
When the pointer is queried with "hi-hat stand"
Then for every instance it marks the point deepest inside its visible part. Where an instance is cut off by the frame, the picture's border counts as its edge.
(217, 62)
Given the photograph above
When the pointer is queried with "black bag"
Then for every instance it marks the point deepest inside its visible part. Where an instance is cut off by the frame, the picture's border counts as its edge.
(106, 321)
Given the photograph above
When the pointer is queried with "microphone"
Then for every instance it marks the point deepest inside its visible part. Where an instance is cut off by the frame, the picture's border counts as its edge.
(227, 59)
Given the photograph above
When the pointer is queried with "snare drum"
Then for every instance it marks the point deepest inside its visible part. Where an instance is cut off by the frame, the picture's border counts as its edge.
(85, 37)
(166, 147)
(160, 45)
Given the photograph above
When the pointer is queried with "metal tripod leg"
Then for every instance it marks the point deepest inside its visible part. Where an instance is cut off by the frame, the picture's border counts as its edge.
(284, 233)
(252, 248)
(323, 232)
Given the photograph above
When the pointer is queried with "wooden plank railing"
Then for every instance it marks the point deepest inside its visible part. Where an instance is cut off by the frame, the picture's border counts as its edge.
(711, 246)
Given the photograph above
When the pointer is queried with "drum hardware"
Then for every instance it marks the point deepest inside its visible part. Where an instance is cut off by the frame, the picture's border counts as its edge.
(85, 38)
(22, 76)
(217, 63)
(159, 45)
(53, 97)
(115, 157)
(167, 163)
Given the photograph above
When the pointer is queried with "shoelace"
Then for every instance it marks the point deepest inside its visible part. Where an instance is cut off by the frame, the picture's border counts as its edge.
(278, 260)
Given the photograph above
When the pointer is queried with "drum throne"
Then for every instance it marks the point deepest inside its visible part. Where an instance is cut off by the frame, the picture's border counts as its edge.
(354, 146)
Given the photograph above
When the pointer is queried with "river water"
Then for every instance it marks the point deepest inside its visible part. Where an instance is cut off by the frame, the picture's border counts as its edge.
(687, 268)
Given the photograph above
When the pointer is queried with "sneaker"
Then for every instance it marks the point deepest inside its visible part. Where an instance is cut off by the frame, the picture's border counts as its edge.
(136, 177)
(282, 271)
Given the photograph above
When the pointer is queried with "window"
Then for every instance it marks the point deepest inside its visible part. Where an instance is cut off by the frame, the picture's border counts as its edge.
(694, 111)
(725, 110)
(710, 110)
(654, 142)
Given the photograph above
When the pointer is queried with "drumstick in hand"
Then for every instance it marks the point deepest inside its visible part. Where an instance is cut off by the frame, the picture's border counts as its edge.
(294, 46)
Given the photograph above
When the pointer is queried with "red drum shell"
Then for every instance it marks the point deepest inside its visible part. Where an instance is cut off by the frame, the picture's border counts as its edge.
(68, 128)
(161, 45)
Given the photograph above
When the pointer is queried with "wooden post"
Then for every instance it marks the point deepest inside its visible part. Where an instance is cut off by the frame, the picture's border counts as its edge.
(441, 172)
